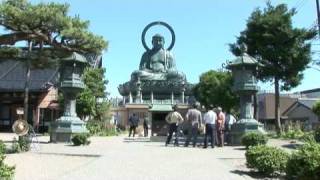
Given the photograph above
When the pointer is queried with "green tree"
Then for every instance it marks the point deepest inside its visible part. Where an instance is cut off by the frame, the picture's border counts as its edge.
(43, 25)
(91, 101)
(215, 88)
(282, 49)
(316, 108)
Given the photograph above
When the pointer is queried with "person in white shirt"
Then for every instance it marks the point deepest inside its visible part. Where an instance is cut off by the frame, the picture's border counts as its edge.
(174, 119)
(209, 119)
(230, 120)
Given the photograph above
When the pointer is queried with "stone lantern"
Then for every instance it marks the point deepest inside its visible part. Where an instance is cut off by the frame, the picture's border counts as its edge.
(244, 70)
(71, 70)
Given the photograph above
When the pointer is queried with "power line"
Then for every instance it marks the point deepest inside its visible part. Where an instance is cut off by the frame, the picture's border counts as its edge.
(299, 4)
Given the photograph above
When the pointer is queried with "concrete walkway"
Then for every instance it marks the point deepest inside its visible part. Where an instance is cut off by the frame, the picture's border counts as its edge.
(108, 158)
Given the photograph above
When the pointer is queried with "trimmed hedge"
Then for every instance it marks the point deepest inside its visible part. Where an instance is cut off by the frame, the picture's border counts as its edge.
(80, 139)
(253, 139)
(267, 160)
(305, 163)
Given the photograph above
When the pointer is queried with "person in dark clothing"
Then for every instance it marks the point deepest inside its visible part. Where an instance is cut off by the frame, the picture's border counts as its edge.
(133, 123)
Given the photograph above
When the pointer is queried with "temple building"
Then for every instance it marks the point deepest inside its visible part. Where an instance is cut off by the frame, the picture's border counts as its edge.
(43, 93)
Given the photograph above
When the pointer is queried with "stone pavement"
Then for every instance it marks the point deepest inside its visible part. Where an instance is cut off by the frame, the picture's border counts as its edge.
(113, 158)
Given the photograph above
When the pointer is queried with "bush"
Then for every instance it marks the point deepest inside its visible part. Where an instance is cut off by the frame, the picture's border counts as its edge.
(15, 147)
(98, 128)
(305, 163)
(2, 147)
(80, 139)
(317, 135)
(253, 139)
(6, 172)
(292, 134)
(267, 160)
(308, 137)
(24, 143)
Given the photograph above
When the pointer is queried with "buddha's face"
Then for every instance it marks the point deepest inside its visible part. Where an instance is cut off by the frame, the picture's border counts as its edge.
(157, 42)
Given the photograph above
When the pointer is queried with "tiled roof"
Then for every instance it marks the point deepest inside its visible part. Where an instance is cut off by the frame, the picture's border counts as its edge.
(13, 77)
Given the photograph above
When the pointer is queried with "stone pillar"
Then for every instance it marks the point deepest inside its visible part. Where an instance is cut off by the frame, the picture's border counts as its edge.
(130, 97)
(182, 96)
(138, 96)
(246, 106)
(172, 98)
(182, 92)
(123, 100)
(151, 97)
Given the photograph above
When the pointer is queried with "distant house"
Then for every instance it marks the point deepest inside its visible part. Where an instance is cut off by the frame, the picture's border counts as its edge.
(43, 93)
(312, 93)
(266, 110)
(301, 113)
(294, 108)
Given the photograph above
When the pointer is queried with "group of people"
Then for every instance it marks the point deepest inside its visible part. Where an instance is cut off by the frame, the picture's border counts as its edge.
(212, 122)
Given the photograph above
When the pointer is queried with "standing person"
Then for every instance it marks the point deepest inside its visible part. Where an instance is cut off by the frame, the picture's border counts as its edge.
(209, 120)
(230, 120)
(194, 119)
(220, 126)
(174, 118)
(145, 126)
(133, 122)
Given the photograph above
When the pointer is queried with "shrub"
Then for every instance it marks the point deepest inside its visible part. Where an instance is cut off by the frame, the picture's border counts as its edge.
(6, 172)
(267, 160)
(24, 143)
(292, 134)
(317, 135)
(15, 146)
(2, 147)
(80, 139)
(99, 128)
(307, 137)
(305, 163)
(254, 139)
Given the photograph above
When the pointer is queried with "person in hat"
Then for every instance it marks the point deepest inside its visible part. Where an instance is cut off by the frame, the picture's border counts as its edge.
(174, 118)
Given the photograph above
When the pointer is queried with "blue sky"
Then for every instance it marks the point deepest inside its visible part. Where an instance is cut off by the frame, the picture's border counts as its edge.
(203, 30)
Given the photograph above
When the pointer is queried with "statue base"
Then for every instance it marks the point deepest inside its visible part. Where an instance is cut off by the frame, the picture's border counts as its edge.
(244, 126)
(62, 129)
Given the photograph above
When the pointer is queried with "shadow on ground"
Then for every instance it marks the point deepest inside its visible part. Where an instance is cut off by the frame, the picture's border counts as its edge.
(255, 175)
(292, 146)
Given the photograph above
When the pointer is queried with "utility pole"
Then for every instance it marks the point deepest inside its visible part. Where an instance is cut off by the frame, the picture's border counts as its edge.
(318, 15)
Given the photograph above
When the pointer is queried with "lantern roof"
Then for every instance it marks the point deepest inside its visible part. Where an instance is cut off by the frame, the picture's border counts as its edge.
(75, 57)
(243, 60)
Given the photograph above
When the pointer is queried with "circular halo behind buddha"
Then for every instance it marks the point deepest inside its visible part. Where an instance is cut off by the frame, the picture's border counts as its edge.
(157, 71)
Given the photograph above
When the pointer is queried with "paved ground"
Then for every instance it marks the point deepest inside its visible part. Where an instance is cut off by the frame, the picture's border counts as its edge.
(115, 158)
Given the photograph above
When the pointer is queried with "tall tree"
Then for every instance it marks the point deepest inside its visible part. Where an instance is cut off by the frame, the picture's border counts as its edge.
(316, 108)
(91, 102)
(282, 49)
(214, 88)
(43, 25)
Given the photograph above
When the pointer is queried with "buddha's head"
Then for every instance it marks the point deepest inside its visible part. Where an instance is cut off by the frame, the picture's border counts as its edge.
(157, 41)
